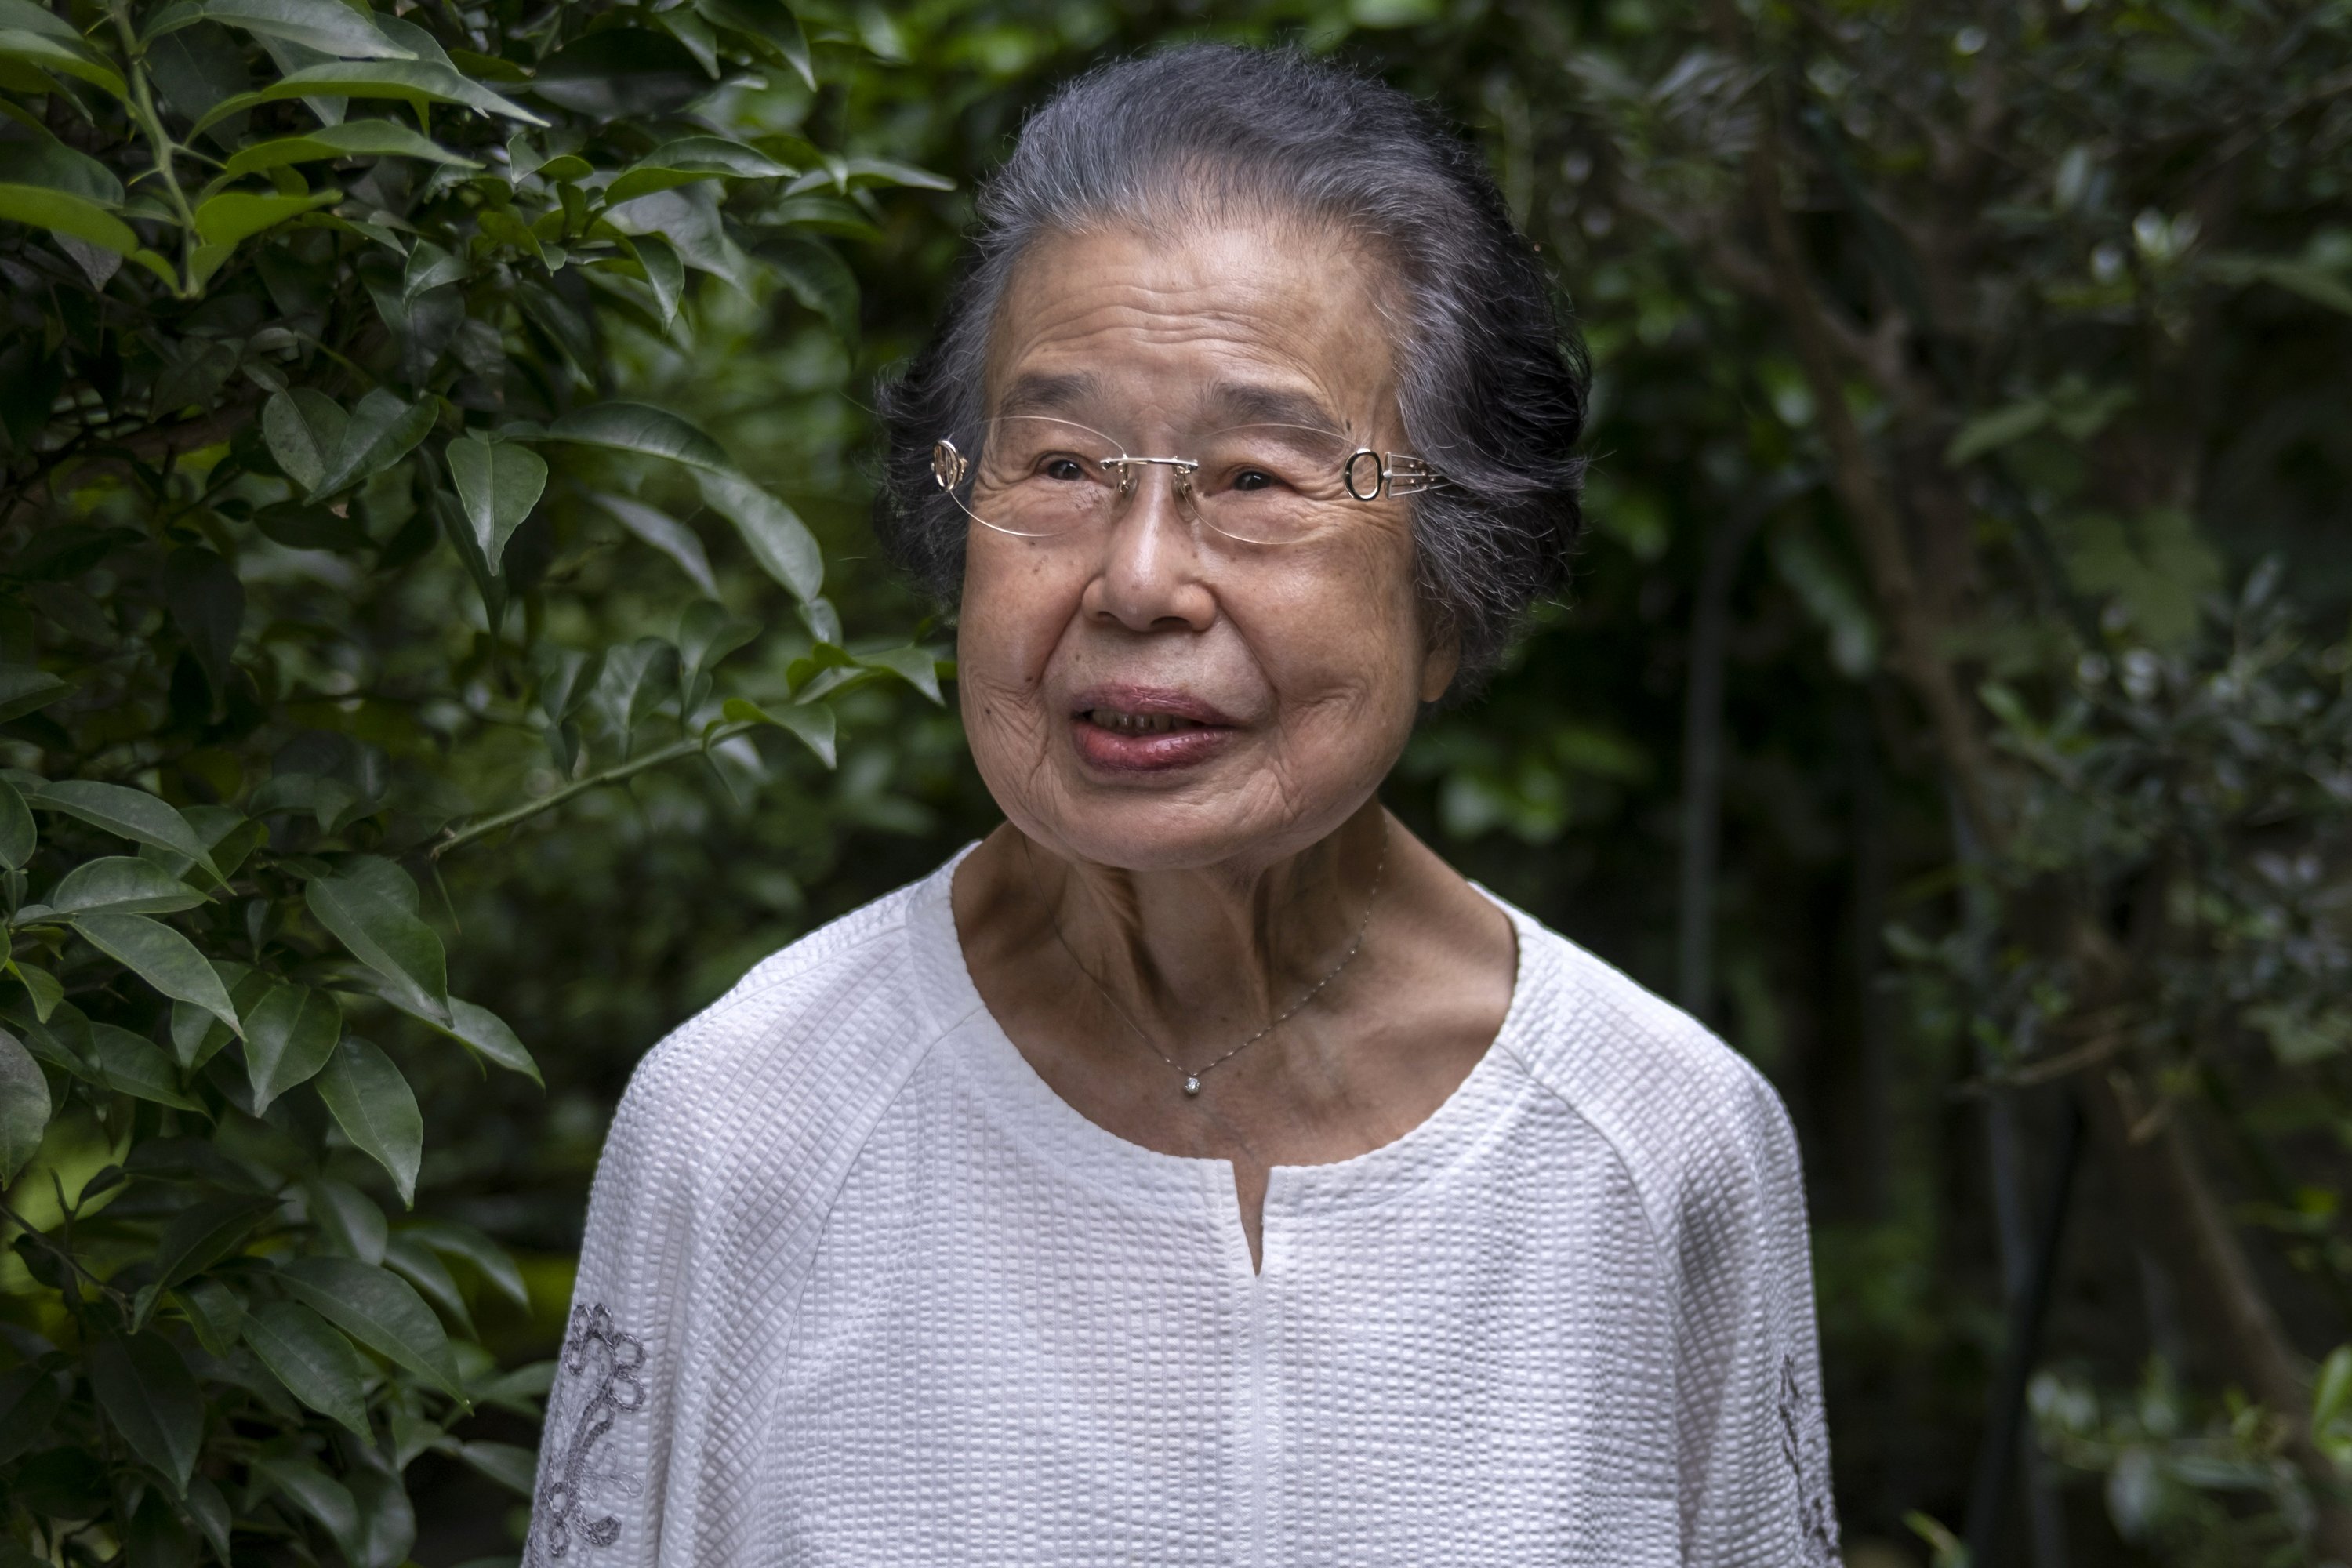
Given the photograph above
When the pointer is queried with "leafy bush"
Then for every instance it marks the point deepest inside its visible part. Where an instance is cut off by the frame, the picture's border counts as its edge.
(315, 410)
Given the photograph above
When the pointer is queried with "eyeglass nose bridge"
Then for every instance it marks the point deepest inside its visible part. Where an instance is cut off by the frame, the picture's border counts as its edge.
(1185, 467)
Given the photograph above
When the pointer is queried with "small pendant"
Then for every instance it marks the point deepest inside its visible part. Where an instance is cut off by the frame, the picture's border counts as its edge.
(1192, 1084)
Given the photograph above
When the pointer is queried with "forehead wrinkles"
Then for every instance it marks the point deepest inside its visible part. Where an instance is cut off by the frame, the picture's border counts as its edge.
(1276, 306)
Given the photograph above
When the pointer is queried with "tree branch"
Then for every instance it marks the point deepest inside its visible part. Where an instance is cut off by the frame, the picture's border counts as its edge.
(458, 838)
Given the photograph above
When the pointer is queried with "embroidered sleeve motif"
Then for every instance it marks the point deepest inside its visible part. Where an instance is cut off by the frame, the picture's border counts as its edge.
(1801, 1445)
(597, 1384)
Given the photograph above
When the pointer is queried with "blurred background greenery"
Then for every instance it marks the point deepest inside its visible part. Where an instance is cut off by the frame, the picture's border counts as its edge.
(1618, 131)
(1951, 707)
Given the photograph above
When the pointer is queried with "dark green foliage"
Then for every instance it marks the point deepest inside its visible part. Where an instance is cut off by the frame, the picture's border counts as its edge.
(373, 485)
(323, 331)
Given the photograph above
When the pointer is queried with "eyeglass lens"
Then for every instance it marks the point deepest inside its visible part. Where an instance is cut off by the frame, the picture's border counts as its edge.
(1264, 484)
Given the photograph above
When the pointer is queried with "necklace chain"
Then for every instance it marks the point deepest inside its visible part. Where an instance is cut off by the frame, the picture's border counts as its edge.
(1193, 1076)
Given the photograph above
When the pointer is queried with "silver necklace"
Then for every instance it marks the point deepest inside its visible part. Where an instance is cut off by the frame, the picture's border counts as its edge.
(1192, 1077)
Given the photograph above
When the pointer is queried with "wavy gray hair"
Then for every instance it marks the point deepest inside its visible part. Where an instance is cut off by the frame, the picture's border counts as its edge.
(1492, 379)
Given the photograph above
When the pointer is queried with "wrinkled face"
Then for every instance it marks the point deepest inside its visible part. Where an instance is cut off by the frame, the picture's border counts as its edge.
(1141, 689)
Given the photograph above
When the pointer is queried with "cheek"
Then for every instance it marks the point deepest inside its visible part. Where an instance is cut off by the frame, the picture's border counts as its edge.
(1348, 638)
(1014, 607)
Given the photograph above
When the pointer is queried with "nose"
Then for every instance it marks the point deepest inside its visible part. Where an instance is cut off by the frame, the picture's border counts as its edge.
(1149, 578)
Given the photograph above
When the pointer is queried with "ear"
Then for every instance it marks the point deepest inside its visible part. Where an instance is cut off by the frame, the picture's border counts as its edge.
(1440, 663)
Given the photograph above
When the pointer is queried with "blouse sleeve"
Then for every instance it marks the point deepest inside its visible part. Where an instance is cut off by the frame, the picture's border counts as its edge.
(614, 1400)
(1752, 1447)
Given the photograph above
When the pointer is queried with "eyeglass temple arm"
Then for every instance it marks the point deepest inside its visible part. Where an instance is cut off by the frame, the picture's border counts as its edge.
(1370, 475)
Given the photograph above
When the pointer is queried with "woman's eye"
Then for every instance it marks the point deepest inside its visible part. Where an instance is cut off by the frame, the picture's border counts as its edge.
(1064, 469)
(1253, 479)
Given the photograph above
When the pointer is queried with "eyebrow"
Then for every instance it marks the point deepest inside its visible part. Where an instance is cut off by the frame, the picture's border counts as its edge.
(1036, 393)
(1254, 403)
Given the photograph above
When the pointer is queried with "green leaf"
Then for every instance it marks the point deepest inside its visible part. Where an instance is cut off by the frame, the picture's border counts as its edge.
(768, 19)
(621, 73)
(818, 278)
(422, 1267)
(430, 267)
(416, 81)
(860, 172)
(206, 599)
(665, 533)
(477, 1027)
(381, 1311)
(197, 1237)
(370, 906)
(24, 690)
(234, 215)
(123, 884)
(196, 1036)
(289, 1034)
(778, 540)
(715, 156)
(215, 1311)
(29, 1400)
(647, 431)
(318, 1494)
(387, 1521)
(811, 722)
(566, 679)
(512, 1466)
(18, 837)
(1394, 13)
(42, 987)
(32, 17)
(303, 429)
(313, 1360)
(497, 483)
(451, 1240)
(127, 814)
(382, 431)
(82, 219)
(2332, 1397)
(352, 1222)
(23, 1106)
(708, 633)
(49, 52)
(914, 665)
(135, 1066)
(665, 273)
(1990, 432)
(2311, 278)
(326, 25)
(638, 677)
(147, 1393)
(645, 177)
(376, 1109)
(50, 163)
(162, 957)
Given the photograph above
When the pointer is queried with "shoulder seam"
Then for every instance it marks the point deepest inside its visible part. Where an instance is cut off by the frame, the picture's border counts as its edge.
(1543, 1081)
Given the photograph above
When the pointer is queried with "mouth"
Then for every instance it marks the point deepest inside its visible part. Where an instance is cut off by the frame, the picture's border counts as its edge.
(1141, 730)
(1121, 722)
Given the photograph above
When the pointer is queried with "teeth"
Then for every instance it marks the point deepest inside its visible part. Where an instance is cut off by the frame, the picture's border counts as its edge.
(1138, 723)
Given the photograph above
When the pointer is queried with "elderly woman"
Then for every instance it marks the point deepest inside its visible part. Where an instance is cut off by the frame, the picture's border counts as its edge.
(1198, 1170)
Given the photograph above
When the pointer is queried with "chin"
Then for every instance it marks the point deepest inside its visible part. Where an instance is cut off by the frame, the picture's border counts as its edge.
(1141, 831)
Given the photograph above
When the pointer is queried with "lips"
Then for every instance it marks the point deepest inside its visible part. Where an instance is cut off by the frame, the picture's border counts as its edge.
(1135, 730)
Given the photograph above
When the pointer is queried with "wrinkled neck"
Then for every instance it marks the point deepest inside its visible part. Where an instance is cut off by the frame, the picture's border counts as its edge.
(1220, 947)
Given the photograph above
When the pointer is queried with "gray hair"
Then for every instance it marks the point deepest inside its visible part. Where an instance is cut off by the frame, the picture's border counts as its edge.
(1491, 380)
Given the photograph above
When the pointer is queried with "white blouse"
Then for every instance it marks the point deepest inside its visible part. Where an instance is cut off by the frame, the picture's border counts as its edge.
(860, 1288)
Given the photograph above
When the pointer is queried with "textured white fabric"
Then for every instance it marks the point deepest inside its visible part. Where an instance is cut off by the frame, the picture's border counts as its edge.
(860, 1288)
